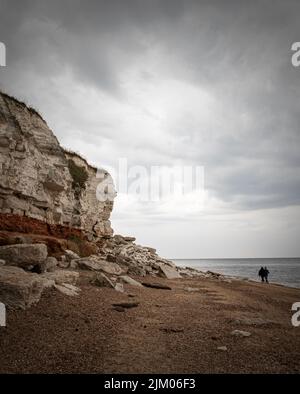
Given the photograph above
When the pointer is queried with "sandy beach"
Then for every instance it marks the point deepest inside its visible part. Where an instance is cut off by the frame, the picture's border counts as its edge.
(184, 330)
(150, 189)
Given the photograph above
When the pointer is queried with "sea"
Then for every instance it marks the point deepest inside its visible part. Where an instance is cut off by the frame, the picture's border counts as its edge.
(285, 271)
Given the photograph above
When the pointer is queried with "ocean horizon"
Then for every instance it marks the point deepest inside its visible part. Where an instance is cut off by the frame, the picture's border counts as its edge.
(284, 270)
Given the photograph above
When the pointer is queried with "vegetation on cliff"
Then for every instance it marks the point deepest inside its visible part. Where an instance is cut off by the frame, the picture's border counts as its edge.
(79, 175)
(22, 104)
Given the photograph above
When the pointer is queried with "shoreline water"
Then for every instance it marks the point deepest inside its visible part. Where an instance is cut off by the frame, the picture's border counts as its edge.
(283, 271)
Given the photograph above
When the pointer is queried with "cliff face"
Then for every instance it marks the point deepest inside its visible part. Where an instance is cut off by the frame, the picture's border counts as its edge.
(40, 180)
(54, 218)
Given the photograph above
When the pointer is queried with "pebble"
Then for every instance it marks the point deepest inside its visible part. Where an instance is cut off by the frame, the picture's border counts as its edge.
(239, 333)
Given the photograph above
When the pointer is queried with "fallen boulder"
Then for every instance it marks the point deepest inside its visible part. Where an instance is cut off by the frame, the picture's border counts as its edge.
(51, 264)
(96, 264)
(190, 272)
(102, 280)
(168, 272)
(70, 255)
(130, 281)
(63, 262)
(24, 255)
(213, 274)
(119, 239)
(67, 289)
(137, 270)
(129, 239)
(87, 264)
(62, 276)
(20, 289)
(73, 265)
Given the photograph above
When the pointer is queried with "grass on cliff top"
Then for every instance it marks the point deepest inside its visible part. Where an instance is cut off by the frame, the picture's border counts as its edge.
(22, 104)
(79, 175)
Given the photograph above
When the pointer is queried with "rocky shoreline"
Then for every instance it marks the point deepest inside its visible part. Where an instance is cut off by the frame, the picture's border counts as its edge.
(26, 270)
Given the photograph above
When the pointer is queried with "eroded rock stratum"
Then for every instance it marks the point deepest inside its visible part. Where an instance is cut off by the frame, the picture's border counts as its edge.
(40, 180)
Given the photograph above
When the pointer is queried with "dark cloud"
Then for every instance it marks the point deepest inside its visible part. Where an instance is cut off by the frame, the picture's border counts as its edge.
(238, 51)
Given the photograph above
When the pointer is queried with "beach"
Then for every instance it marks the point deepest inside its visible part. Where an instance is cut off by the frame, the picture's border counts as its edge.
(191, 328)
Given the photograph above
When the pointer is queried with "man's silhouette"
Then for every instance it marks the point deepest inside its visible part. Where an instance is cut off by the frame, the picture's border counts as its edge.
(261, 273)
(266, 274)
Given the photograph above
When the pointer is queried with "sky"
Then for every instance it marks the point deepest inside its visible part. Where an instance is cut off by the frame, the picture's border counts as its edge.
(169, 83)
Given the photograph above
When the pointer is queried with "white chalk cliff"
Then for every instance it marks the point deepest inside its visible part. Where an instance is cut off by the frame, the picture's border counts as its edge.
(40, 180)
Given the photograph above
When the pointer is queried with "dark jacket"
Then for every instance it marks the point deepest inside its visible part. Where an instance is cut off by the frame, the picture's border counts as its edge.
(261, 272)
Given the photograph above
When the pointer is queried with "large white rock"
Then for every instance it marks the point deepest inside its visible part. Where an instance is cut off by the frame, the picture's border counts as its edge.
(130, 281)
(87, 264)
(51, 264)
(168, 272)
(96, 264)
(67, 289)
(190, 272)
(70, 255)
(62, 276)
(20, 289)
(23, 255)
(102, 280)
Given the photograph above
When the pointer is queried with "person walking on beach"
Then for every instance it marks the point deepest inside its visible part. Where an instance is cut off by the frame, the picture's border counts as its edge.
(266, 274)
(261, 273)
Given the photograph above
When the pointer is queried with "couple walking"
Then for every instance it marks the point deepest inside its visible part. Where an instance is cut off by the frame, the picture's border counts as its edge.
(264, 273)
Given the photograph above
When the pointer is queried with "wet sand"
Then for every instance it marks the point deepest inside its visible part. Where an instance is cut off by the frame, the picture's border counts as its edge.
(171, 331)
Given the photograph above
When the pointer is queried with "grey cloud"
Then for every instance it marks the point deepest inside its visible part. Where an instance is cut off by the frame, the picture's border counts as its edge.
(93, 39)
(239, 51)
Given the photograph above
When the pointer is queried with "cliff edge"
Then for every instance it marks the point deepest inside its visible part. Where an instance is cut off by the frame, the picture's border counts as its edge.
(40, 180)
(55, 231)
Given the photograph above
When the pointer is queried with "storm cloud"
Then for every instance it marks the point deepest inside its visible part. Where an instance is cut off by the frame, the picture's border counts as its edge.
(164, 82)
